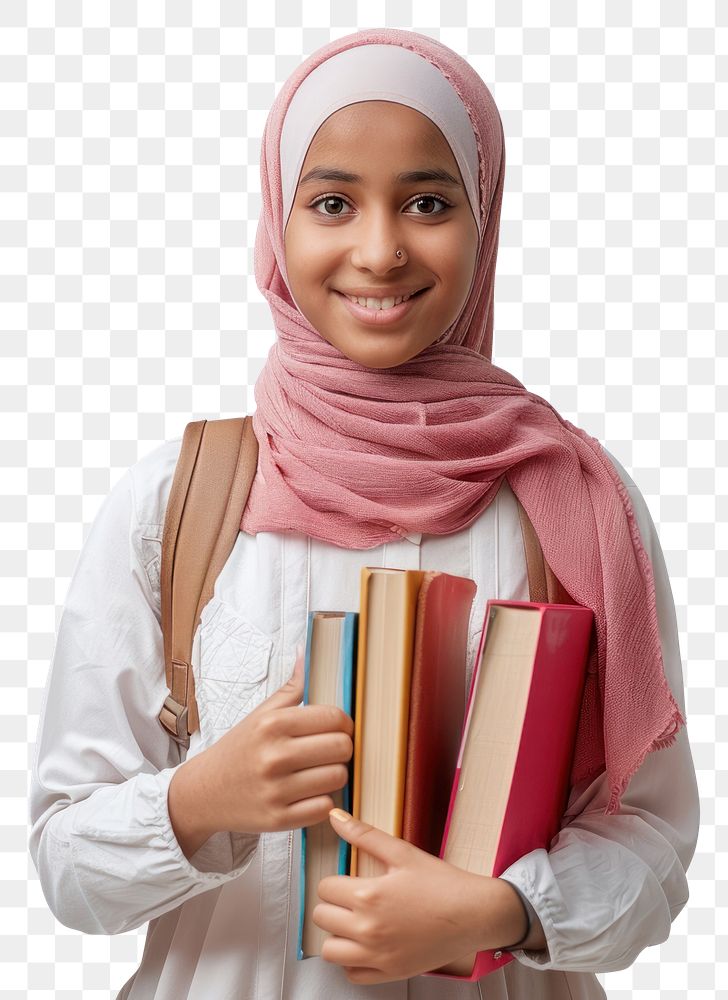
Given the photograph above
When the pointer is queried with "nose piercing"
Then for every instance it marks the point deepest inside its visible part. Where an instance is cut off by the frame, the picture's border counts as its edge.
(398, 253)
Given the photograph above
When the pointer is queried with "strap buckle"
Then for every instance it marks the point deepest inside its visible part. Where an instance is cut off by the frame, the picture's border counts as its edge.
(177, 725)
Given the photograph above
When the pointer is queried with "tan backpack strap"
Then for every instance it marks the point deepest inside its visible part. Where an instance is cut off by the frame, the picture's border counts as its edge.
(543, 585)
(212, 480)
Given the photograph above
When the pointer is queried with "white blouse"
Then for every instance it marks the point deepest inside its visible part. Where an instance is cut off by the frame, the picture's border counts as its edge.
(224, 924)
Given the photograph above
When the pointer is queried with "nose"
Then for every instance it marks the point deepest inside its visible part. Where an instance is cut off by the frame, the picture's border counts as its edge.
(377, 237)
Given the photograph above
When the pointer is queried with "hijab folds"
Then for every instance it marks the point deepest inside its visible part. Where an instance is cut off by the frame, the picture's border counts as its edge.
(355, 456)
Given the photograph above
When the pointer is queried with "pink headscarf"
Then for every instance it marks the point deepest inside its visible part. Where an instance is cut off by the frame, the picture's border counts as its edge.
(353, 455)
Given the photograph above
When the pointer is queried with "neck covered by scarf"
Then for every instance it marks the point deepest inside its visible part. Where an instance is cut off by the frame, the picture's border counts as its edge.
(355, 456)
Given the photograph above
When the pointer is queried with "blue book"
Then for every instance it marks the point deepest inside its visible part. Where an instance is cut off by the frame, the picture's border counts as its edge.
(331, 646)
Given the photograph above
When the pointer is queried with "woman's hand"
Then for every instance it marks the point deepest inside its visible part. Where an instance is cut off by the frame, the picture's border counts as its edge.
(273, 770)
(423, 913)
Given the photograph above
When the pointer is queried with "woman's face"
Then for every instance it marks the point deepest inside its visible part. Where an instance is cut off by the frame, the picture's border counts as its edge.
(343, 231)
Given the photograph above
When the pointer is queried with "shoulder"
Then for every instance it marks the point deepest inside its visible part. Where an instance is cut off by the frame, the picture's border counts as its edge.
(639, 504)
(623, 474)
(151, 481)
(136, 503)
(508, 501)
(646, 527)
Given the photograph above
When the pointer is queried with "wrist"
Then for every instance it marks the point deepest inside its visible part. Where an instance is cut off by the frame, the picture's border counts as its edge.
(528, 912)
(533, 937)
(190, 804)
(501, 917)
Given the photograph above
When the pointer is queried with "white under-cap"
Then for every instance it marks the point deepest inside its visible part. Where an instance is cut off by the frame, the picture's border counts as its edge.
(376, 73)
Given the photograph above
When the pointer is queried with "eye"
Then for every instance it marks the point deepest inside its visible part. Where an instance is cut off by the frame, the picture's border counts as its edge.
(430, 198)
(328, 200)
(336, 202)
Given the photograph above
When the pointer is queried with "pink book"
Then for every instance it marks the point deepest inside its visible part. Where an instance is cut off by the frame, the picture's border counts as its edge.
(511, 784)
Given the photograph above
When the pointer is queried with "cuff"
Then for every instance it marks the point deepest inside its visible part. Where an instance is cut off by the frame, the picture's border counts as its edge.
(519, 875)
(127, 860)
(531, 916)
(223, 855)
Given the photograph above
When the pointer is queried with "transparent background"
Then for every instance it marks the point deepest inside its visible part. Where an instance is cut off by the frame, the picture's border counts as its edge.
(129, 194)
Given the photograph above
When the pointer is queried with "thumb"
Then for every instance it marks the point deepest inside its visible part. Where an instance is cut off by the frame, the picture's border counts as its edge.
(392, 850)
(290, 693)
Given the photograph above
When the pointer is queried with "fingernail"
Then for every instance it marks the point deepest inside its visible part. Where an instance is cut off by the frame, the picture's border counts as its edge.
(339, 814)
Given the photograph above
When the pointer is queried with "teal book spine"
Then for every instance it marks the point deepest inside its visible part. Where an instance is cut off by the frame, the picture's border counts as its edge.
(345, 688)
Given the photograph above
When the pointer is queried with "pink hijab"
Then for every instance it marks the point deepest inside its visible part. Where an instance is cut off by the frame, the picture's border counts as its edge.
(352, 455)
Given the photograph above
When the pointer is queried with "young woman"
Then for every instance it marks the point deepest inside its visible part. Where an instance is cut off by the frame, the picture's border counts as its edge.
(387, 437)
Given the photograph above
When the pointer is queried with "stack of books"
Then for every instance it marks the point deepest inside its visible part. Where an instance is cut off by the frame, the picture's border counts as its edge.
(478, 778)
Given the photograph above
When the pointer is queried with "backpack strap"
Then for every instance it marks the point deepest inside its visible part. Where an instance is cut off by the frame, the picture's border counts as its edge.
(543, 585)
(212, 480)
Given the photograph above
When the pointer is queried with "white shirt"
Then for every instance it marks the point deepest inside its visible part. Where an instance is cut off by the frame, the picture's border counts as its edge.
(224, 924)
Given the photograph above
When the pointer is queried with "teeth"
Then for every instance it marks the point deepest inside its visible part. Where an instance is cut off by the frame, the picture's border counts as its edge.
(379, 303)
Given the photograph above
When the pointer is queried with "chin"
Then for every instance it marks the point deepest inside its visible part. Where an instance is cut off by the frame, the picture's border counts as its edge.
(383, 356)
(382, 362)
(380, 356)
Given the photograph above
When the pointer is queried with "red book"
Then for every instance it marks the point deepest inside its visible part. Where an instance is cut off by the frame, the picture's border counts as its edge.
(511, 783)
(437, 705)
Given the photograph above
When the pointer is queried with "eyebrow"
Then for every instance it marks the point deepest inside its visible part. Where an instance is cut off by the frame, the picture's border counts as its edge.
(438, 174)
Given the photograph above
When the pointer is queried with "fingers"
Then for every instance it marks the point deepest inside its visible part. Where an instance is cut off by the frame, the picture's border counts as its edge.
(309, 811)
(321, 748)
(305, 720)
(340, 890)
(345, 951)
(315, 781)
(306, 759)
(334, 919)
(290, 693)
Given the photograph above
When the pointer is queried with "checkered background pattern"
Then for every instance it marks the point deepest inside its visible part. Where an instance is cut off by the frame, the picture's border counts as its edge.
(129, 194)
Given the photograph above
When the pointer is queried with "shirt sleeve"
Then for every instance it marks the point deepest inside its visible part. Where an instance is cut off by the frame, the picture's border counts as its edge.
(101, 838)
(610, 885)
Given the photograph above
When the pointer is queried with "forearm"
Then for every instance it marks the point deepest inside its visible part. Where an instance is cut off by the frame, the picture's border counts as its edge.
(190, 807)
(110, 862)
(501, 915)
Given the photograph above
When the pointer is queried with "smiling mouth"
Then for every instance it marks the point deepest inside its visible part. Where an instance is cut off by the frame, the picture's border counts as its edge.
(378, 318)
(361, 300)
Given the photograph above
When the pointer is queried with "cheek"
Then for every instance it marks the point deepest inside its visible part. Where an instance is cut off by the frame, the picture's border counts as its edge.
(452, 248)
(462, 261)
(458, 259)
(299, 272)
(306, 264)
(305, 282)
